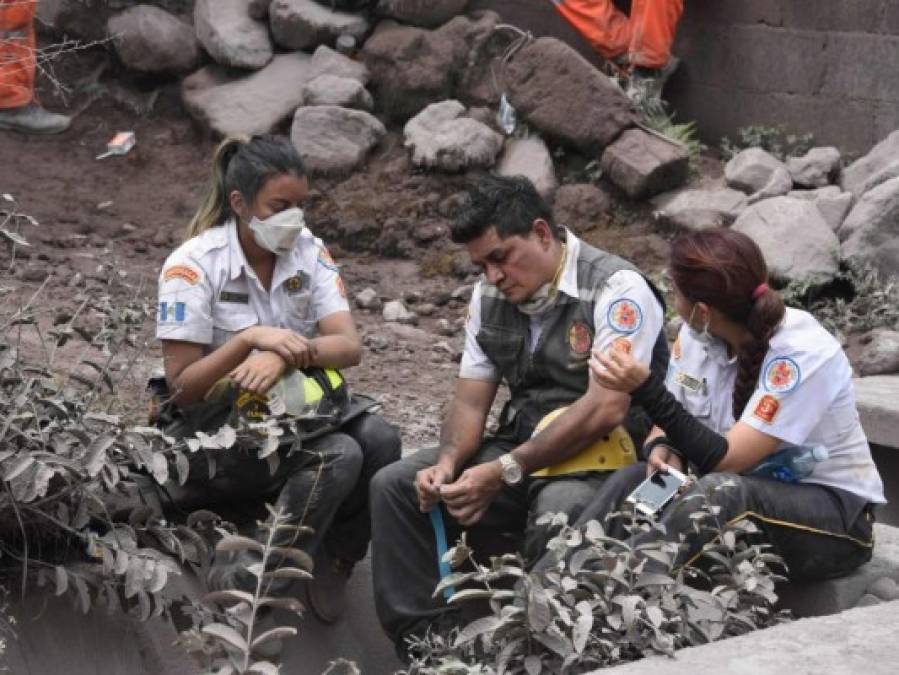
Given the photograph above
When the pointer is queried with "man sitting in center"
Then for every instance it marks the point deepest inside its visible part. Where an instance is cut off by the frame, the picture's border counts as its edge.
(545, 300)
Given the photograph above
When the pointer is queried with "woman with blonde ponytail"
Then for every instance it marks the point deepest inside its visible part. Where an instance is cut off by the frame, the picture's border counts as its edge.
(759, 403)
(253, 300)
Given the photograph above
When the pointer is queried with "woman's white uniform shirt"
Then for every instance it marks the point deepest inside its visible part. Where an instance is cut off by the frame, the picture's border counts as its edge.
(208, 292)
(804, 396)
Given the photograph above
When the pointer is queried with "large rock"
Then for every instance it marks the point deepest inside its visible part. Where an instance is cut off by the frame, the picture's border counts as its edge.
(326, 61)
(441, 138)
(816, 168)
(698, 209)
(557, 91)
(303, 24)
(73, 20)
(424, 13)
(779, 183)
(150, 40)
(413, 67)
(797, 243)
(875, 168)
(870, 233)
(339, 91)
(881, 355)
(333, 140)
(831, 201)
(531, 158)
(230, 35)
(643, 164)
(581, 206)
(750, 170)
(254, 104)
(258, 9)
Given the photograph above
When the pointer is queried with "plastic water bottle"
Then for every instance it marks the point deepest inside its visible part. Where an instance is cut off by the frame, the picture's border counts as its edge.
(791, 464)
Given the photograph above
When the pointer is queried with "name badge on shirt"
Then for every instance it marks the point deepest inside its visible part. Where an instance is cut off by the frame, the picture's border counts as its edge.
(689, 382)
(231, 296)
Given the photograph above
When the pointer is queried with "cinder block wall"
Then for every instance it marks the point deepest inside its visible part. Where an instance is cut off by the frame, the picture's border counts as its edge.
(830, 67)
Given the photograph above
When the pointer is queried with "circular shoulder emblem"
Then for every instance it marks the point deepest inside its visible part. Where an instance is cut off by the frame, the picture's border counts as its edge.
(781, 375)
(625, 316)
(579, 337)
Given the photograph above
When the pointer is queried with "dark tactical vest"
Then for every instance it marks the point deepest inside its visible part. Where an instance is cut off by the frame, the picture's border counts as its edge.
(556, 373)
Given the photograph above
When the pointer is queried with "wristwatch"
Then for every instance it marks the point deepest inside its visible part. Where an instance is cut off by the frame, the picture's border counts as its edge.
(512, 471)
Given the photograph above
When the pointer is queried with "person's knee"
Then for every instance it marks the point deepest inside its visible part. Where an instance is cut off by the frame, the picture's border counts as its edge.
(342, 456)
(382, 441)
(391, 481)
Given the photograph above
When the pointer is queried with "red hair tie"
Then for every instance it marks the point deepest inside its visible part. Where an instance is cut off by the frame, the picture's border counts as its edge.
(759, 291)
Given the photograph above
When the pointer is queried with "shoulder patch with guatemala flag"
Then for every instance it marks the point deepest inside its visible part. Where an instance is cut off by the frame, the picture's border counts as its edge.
(625, 316)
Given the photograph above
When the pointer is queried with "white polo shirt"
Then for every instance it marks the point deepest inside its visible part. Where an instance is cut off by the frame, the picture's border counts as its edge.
(626, 308)
(208, 292)
(804, 396)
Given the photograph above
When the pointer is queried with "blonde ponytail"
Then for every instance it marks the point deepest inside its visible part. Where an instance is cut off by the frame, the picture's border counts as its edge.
(215, 206)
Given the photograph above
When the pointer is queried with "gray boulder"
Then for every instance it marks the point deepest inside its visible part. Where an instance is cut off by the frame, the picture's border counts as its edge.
(698, 209)
(816, 168)
(150, 40)
(779, 183)
(326, 61)
(531, 158)
(339, 91)
(831, 201)
(880, 356)
(581, 206)
(875, 168)
(441, 138)
(368, 299)
(333, 140)
(230, 35)
(253, 104)
(303, 24)
(560, 93)
(424, 13)
(797, 243)
(750, 170)
(258, 9)
(395, 312)
(643, 164)
(870, 233)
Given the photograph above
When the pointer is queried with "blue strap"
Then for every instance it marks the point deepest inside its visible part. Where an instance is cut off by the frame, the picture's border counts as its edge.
(443, 567)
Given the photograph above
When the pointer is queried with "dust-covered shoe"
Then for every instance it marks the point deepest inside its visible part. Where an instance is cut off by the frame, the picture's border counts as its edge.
(646, 84)
(33, 119)
(326, 593)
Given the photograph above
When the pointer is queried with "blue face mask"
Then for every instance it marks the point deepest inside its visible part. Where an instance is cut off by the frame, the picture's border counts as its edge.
(701, 336)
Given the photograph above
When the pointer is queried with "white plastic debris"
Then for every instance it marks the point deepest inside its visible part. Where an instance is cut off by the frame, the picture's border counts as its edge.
(120, 144)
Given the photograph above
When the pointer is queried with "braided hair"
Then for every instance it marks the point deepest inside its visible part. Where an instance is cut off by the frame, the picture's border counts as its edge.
(726, 270)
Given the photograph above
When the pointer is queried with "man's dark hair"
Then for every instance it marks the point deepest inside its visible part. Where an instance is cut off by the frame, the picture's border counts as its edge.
(510, 204)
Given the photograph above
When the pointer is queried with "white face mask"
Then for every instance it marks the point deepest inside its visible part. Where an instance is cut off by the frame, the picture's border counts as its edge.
(703, 336)
(540, 301)
(278, 233)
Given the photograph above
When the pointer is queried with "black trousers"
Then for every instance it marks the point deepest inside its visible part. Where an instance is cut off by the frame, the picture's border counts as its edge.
(404, 550)
(324, 485)
(819, 531)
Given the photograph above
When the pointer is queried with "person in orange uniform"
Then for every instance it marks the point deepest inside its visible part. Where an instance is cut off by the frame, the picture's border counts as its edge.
(641, 42)
(19, 111)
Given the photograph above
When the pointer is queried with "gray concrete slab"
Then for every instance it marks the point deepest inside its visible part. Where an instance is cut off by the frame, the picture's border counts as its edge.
(858, 641)
(878, 407)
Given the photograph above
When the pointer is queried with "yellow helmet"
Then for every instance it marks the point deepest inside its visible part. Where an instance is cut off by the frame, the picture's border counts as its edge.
(611, 452)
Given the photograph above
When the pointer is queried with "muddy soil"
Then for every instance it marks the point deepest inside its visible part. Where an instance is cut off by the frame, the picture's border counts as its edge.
(105, 227)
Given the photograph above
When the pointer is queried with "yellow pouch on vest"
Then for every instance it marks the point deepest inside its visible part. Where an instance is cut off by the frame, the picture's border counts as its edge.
(615, 451)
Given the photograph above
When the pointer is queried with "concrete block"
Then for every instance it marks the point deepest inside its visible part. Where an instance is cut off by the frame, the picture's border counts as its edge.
(857, 65)
(766, 12)
(836, 595)
(858, 641)
(877, 399)
(848, 16)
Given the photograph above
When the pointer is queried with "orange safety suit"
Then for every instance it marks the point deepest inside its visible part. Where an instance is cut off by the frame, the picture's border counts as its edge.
(17, 52)
(645, 36)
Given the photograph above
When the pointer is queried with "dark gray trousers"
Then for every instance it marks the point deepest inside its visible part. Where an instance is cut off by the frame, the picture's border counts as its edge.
(404, 551)
(820, 532)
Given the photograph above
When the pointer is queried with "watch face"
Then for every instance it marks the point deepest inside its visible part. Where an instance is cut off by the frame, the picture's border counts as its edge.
(512, 473)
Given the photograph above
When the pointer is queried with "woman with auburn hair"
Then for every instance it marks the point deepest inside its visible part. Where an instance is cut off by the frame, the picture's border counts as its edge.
(747, 379)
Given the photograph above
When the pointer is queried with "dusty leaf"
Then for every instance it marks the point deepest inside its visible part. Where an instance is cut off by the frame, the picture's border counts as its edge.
(274, 634)
(229, 595)
(226, 634)
(477, 627)
(62, 580)
(237, 543)
(289, 604)
(18, 467)
(182, 467)
(160, 468)
(96, 454)
(263, 668)
(301, 558)
(581, 632)
(288, 573)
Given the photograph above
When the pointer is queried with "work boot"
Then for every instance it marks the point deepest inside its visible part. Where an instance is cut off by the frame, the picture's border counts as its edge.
(33, 119)
(326, 593)
(646, 84)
